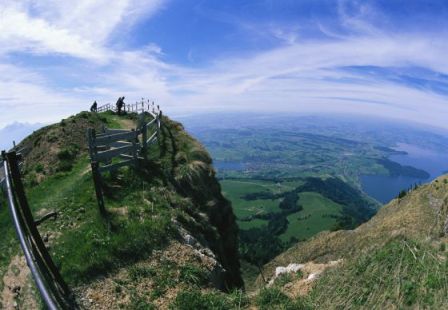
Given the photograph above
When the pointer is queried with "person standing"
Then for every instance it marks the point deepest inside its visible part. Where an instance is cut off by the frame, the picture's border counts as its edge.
(120, 104)
(94, 107)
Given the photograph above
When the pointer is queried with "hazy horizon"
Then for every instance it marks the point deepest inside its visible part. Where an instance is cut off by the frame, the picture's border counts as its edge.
(17, 131)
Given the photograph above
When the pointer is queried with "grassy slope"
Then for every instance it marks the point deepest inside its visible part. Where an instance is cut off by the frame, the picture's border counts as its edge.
(396, 259)
(141, 206)
(402, 273)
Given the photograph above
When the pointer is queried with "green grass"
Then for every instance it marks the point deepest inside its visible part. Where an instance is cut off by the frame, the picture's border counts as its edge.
(59, 188)
(86, 244)
(113, 120)
(158, 278)
(313, 218)
(194, 299)
(402, 274)
(274, 298)
(102, 247)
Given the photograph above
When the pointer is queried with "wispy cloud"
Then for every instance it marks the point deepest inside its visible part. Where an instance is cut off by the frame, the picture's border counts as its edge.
(74, 28)
(302, 73)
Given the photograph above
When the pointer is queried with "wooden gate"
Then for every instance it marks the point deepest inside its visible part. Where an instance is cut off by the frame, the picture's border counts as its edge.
(112, 149)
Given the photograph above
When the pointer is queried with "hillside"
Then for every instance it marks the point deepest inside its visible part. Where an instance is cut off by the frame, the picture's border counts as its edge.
(396, 259)
(171, 241)
(170, 231)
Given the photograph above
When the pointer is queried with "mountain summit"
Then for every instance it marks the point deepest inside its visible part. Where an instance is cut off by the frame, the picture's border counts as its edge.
(168, 230)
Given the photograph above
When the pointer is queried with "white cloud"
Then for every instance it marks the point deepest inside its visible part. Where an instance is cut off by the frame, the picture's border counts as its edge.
(19, 32)
(25, 97)
(304, 76)
(75, 28)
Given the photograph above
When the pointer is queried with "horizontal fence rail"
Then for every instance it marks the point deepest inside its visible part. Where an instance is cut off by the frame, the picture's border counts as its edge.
(54, 291)
(138, 107)
(113, 149)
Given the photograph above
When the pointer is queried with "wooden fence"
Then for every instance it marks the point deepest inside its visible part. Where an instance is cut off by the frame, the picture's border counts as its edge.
(138, 107)
(104, 148)
(112, 149)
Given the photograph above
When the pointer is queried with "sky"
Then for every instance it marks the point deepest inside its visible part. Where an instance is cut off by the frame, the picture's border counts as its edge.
(384, 58)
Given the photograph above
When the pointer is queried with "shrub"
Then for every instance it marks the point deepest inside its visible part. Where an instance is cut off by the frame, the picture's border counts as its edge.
(137, 272)
(67, 156)
(39, 168)
(31, 180)
(140, 304)
(283, 279)
(68, 153)
(238, 298)
(193, 275)
(64, 166)
(194, 299)
(269, 298)
(52, 138)
(402, 194)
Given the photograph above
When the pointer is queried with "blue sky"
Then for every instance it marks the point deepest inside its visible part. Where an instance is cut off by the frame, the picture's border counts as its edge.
(380, 58)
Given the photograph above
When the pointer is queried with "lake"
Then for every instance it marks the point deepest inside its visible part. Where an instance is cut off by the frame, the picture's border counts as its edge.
(384, 188)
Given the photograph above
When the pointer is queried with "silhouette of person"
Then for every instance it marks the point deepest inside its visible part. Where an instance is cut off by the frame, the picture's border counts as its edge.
(120, 104)
(94, 107)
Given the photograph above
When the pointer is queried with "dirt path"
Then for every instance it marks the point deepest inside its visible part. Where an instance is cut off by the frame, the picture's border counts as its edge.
(18, 291)
(126, 123)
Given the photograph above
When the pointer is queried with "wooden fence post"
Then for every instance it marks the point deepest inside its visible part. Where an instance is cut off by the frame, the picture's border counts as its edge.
(95, 171)
(144, 138)
(134, 150)
(98, 187)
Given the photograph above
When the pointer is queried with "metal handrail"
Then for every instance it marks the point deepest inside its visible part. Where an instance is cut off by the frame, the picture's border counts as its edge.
(24, 243)
(53, 289)
(2, 178)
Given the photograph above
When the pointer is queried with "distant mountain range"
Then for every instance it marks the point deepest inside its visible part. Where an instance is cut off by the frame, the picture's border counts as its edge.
(16, 132)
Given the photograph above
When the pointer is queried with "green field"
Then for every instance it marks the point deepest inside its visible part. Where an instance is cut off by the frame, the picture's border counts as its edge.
(313, 218)
(234, 190)
(302, 225)
(255, 223)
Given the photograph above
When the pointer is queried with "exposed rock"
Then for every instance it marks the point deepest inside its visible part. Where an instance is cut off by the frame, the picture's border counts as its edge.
(309, 273)
(288, 269)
